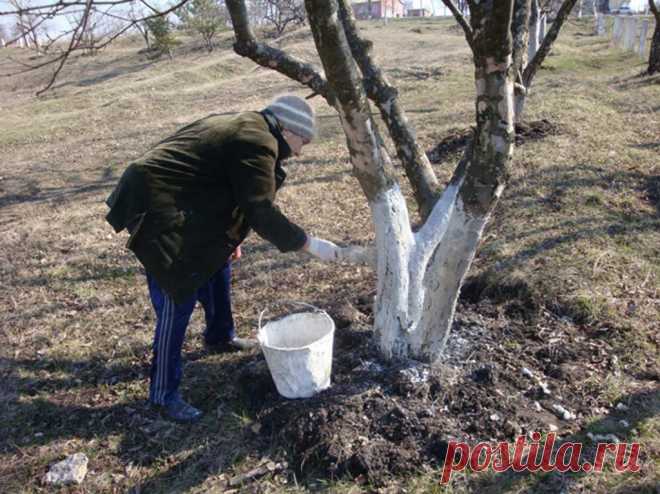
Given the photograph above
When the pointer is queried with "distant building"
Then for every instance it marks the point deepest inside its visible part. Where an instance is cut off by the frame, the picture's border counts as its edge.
(635, 5)
(419, 13)
(381, 9)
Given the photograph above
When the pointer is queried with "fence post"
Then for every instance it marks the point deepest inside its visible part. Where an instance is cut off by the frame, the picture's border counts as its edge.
(617, 31)
(600, 29)
(642, 37)
(630, 29)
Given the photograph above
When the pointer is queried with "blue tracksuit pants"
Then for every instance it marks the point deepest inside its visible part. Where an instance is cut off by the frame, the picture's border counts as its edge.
(172, 320)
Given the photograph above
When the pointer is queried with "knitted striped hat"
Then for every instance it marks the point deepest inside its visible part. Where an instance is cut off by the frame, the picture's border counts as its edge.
(294, 114)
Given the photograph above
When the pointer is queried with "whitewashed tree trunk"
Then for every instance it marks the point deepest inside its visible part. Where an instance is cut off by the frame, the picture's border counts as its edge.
(534, 29)
(543, 27)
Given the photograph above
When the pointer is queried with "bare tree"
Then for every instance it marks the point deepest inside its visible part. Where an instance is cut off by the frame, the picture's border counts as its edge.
(135, 14)
(419, 273)
(283, 13)
(205, 18)
(28, 25)
(654, 53)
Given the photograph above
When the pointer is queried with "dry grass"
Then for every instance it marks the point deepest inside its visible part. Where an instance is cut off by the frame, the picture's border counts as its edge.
(579, 222)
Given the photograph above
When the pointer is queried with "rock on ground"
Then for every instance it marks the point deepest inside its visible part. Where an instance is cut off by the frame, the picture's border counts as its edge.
(71, 470)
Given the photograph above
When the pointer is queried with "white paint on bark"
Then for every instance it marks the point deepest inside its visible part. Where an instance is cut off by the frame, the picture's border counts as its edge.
(442, 278)
(394, 244)
(419, 274)
(505, 106)
(367, 155)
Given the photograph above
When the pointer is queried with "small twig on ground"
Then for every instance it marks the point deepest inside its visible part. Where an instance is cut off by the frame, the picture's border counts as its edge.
(255, 473)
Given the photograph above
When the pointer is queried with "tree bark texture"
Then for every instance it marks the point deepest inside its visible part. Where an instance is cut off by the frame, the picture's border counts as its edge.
(415, 162)
(654, 52)
(534, 28)
(520, 35)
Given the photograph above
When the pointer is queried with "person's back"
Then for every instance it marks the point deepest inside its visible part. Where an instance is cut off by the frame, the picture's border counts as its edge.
(199, 192)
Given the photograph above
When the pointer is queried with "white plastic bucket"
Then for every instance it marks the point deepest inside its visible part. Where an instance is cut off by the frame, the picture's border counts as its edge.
(298, 351)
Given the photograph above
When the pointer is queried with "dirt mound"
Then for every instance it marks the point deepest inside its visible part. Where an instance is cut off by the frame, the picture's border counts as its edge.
(457, 139)
(381, 420)
(535, 130)
(454, 142)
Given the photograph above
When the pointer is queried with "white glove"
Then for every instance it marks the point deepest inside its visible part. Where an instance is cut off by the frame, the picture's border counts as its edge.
(324, 250)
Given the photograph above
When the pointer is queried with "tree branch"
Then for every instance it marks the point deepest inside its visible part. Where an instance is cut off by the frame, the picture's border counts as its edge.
(247, 45)
(534, 65)
(75, 40)
(417, 166)
(469, 35)
(61, 4)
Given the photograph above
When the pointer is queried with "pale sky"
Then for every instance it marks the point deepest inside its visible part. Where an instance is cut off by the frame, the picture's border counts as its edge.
(60, 23)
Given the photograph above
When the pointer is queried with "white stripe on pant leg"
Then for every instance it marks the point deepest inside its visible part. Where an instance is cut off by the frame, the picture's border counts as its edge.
(166, 346)
(161, 326)
(163, 355)
(161, 343)
(173, 323)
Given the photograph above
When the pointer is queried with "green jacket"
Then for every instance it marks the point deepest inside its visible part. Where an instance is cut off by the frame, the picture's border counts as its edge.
(190, 200)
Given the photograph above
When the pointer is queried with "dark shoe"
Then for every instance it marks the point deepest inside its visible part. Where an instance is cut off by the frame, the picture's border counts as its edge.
(235, 345)
(180, 411)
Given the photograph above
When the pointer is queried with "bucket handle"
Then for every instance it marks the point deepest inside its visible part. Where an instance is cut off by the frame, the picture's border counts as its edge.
(284, 302)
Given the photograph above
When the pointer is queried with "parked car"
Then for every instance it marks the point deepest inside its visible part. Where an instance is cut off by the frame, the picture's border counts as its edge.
(625, 10)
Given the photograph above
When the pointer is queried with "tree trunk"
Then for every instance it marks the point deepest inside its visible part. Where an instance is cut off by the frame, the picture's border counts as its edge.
(414, 311)
(654, 52)
(520, 36)
(419, 274)
(534, 29)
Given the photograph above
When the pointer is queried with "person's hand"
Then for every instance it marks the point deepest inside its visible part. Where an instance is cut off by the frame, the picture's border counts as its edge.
(324, 250)
(237, 254)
